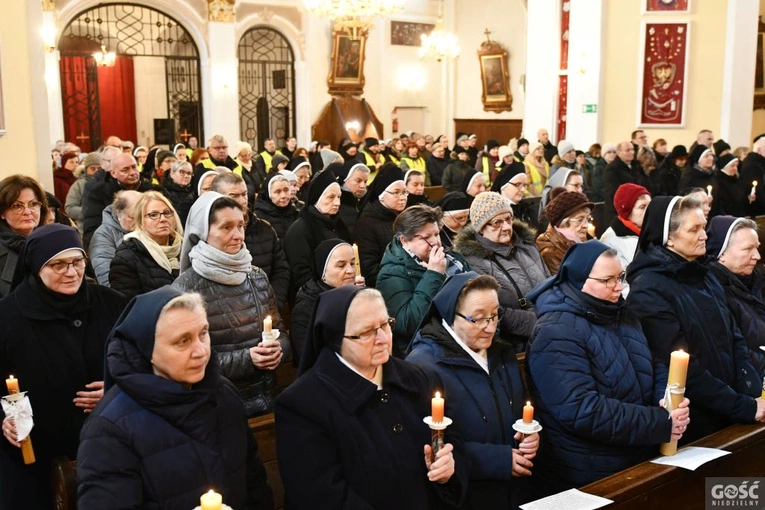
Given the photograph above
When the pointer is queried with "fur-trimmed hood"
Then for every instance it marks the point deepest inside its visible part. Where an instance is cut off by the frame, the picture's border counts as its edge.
(467, 245)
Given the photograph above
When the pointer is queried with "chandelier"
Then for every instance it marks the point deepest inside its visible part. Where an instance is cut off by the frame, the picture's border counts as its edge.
(354, 16)
(105, 58)
(439, 44)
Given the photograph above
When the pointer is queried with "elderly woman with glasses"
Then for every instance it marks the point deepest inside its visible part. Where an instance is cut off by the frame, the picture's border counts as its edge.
(461, 340)
(569, 215)
(148, 257)
(23, 207)
(496, 244)
(52, 332)
(176, 186)
(595, 385)
(350, 431)
(513, 184)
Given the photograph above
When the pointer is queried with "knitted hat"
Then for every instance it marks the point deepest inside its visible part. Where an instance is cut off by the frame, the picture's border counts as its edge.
(726, 160)
(720, 146)
(564, 146)
(608, 147)
(678, 151)
(162, 156)
(566, 204)
(241, 146)
(94, 158)
(491, 144)
(719, 231)
(277, 160)
(485, 206)
(625, 198)
(66, 157)
(504, 150)
(459, 149)
(522, 142)
(328, 156)
(454, 201)
(371, 142)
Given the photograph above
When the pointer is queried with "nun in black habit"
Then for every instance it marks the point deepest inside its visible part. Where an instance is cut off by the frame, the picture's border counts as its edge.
(357, 414)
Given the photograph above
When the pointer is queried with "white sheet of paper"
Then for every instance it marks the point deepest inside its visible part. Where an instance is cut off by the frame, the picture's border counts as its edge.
(691, 457)
(571, 499)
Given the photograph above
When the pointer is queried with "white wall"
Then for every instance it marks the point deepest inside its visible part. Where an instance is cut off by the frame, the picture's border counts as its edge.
(150, 96)
(506, 20)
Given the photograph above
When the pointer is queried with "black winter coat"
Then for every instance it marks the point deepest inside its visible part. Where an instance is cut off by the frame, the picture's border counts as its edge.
(374, 231)
(151, 443)
(615, 174)
(302, 239)
(54, 354)
(235, 314)
(182, 197)
(280, 218)
(267, 253)
(10, 247)
(730, 196)
(302, 312)
(669, 178)
(746, 301)
(435, 168)
(694, 177)
(349, 211)
(134, 272)
(682, 306)
(753, 169)
(365, 445)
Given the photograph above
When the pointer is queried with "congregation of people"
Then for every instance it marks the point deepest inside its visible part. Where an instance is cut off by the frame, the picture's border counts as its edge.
(148, 303)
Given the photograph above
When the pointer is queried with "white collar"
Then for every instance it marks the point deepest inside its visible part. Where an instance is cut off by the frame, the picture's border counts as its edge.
(376, 379)
(479, 357)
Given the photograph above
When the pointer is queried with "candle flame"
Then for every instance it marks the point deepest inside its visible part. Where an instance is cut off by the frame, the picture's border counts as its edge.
(211, 492)
(10, 376)
(754, 183)
(528, 402)
(268, 317)
(438, 394)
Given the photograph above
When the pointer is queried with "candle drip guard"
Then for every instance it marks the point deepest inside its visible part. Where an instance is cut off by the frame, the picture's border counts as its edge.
(527, 428)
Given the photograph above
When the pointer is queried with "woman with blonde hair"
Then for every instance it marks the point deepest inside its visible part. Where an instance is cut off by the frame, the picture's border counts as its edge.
(148, 257)
(537, 168)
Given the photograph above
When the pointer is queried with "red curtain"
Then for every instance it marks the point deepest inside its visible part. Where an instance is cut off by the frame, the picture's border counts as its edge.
(74, 94)
(116, 99)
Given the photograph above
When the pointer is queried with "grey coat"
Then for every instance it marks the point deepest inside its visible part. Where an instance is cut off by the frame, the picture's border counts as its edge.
(235, 314)
(73, 204)
(524, 264)
(107, 237)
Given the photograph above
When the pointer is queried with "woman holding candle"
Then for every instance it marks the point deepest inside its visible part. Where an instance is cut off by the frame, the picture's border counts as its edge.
(357, 414)
(385, 199)
(216, 263)
(731, 196)
(170, 426)
(681, 305)
(52, 332)
(733, 247)
(596, 388)
(334, 266)
(459, 339)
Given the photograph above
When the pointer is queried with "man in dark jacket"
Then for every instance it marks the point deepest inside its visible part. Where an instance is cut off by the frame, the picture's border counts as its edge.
(671, 170)
(260, 238)
(618, 172)
(436, 164)
(753, 169)
(550, 149)
(218, 150)
(123, 175)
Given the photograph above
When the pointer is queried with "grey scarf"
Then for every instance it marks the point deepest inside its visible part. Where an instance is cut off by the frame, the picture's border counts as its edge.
(218, 266)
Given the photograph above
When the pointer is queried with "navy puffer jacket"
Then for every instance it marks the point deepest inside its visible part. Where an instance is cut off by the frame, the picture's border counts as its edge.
(747, 304)
(682, 306)
(595, 388)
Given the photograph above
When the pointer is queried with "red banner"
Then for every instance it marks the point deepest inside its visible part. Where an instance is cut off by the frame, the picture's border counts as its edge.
(666, 5)
(664, 61)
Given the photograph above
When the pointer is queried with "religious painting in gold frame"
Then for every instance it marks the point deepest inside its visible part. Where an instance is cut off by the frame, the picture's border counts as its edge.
(495, 79)
(759, 69)
(346, 76)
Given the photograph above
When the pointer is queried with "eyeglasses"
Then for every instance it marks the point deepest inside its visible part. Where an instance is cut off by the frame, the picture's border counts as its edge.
(578, 221)
(399, 194)
(497, 222)
(434, 236)
(483, 322)
(167, 213)
(523, 187)
(459, 218)
(19, 208)
(61, 267)
(186, 174)
(370, 334)
(611, 281)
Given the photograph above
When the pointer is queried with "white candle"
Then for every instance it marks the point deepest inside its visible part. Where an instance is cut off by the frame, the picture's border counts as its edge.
(709, 190)
(267, 324)
(754, 187)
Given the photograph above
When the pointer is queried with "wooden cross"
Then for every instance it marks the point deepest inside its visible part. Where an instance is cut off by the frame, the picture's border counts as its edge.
(185, 135)
(487, 33)
(82, 137)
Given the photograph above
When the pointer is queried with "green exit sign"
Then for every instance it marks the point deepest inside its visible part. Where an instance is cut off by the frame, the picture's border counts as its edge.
(589, 108)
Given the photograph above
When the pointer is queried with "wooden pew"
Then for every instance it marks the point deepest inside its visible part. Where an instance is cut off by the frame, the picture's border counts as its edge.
(435, 192)
(655, 486)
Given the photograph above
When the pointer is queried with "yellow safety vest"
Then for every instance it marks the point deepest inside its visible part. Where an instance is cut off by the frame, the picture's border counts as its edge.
(486, 164)
(369, 160)
(416, 164)
(267, 158)
(208, 163)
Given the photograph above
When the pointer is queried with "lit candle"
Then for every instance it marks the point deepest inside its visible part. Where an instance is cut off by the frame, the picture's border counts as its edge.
(709, 190)
(357, 259)
(437, 408)
(211, 501)
(528, 413)
(13, 385)
(678, 373)
(267, 324)
(754, 187)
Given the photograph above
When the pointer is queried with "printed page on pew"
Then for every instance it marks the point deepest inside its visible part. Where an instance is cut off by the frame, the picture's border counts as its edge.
(572, 499)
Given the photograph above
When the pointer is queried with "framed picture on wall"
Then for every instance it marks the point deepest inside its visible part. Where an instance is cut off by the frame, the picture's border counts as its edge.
(495, 79)
(346, 76)
(663, 74)
(759, 69)
(405, 33)
(667, 6)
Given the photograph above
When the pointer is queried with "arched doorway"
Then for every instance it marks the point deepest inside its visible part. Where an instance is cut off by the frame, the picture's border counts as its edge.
(266, 87)
(164, 104)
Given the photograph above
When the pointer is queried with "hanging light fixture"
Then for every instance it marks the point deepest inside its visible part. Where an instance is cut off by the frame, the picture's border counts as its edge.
(439, 44)
(105, 58)
(354, 16)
